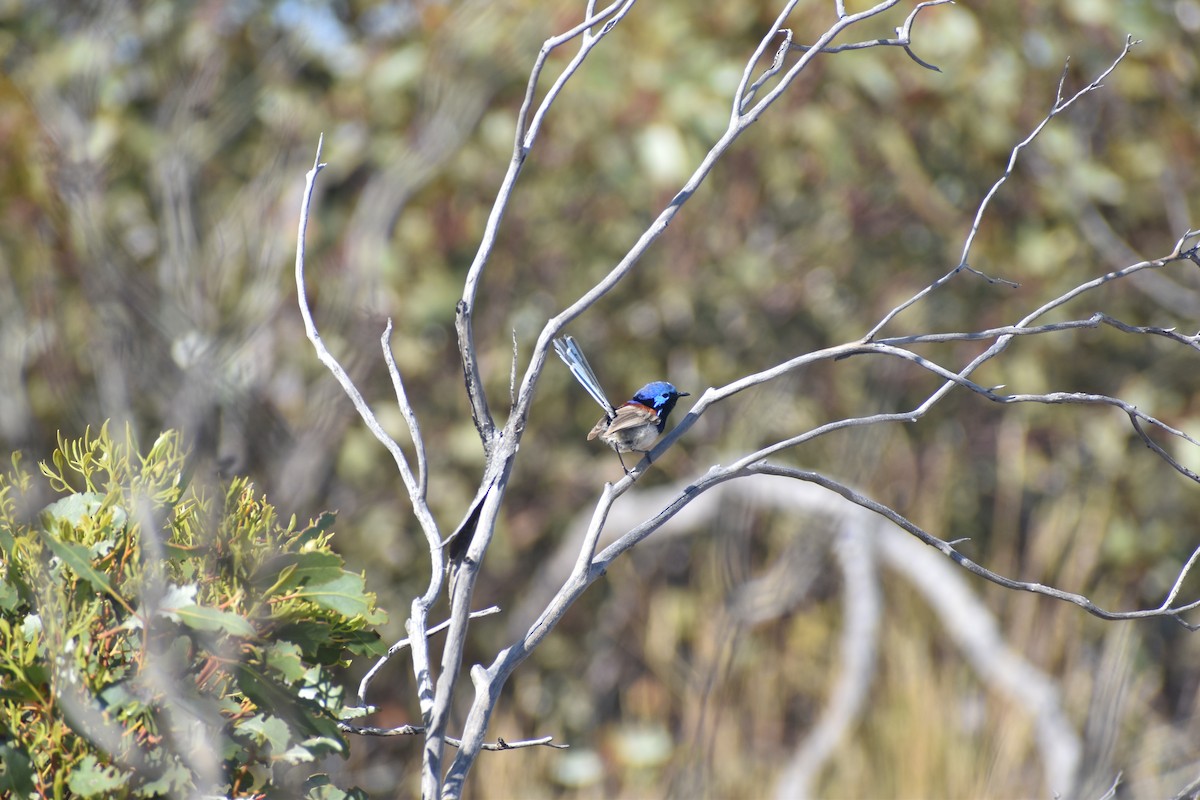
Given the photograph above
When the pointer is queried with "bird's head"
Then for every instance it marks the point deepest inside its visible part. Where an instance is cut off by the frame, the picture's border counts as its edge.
(660, 396)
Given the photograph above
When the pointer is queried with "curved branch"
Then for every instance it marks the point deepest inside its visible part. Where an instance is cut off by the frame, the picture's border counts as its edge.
(738, 123)
(413, 484)
(903, 37)
(1003, 337)
(862, 602)
(1166, 609)
(417, 730)
(527, 130)
(1060, 105)
(403, 643)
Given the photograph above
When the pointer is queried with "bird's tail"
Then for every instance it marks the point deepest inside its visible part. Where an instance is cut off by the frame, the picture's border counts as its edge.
(568, 350)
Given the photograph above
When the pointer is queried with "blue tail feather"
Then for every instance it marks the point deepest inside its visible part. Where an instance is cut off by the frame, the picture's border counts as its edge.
(568, 350)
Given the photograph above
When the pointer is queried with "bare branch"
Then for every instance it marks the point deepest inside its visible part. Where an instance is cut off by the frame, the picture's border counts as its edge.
(1166, 609)
(1059, 106)
(406, 409)
(415, 491)
(466, 548)
(414, 485)
(903, 37)
(863, 609)
(742, 95)
(527, 131)
(403, 643)
(1153, 445)
(739, 94)
(417, 730)
(843, 22)
(772, 71)
(512, 372)
(953, 378)
(1112, 790)
(738, 123)
(1094, 321)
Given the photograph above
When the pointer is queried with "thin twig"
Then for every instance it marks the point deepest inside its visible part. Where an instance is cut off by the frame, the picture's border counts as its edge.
(417, 730)
(406, 409)
(529, 123)
(403, 643)
(415, 487)
(1164, 610)
(772, 71)
(416, 495)
(903, 37)
(1060, 105)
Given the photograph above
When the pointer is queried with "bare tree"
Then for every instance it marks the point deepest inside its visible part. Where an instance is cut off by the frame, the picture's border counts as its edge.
(769, 71)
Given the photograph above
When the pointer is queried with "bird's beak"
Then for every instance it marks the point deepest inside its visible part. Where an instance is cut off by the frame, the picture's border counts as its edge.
(685, 394)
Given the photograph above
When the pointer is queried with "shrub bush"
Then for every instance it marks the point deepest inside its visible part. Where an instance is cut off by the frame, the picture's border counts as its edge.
(151, 647)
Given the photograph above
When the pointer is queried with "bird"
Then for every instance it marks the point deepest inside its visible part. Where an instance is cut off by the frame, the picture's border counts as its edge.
(634, 426)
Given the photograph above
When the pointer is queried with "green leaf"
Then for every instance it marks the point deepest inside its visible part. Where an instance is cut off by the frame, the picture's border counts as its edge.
(304, 715)
(313, 637)
(284, 657)
(346, 713)
(202, 618)
(79, 559)
(320, 526)
(305, 568)
(117, 697)
(31, 627)
(271, 730)
(365, 642)
(320, 787)
(173, 782)
(298, 755)
(17, 776)
(9, 597)
(89, 778)
(73, 509)
(204, 592)
(321, 746)
(346, 595)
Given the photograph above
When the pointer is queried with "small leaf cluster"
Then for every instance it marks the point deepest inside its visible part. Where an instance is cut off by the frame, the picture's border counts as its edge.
(151, 647)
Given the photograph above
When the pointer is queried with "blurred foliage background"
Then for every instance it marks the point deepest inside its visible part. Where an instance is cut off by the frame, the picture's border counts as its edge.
(150, 175)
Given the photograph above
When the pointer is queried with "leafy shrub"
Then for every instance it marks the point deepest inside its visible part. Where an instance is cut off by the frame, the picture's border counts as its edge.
(150, 647)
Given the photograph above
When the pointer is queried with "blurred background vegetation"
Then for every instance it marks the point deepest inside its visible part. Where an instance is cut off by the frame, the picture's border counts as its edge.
(150, 174)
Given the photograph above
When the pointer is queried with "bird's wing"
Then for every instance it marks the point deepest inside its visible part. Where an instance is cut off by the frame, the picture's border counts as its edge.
(631, 415)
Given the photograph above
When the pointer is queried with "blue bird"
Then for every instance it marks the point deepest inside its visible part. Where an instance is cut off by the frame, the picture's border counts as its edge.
(636, 425)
